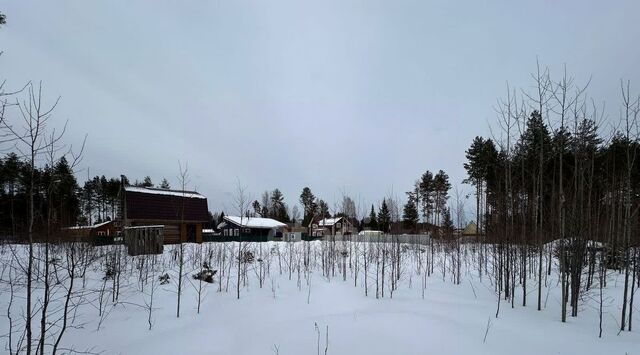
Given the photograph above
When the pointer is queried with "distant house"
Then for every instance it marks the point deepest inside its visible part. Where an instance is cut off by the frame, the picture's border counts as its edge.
(370, 233)
(106, 229)
(337, 226)
(470, 229)
(182, 213)
(267, 228)
(209, 231)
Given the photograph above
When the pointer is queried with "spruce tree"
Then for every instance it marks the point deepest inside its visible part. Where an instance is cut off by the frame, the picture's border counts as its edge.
(447, 223)
(165, 184)
(384, 217)
(410, 212)
(373, 220)
(147, 182)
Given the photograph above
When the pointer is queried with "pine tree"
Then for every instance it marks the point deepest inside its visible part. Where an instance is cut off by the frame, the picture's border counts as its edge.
(441, 187)
(257, 208)
(323, 208)
(113, 188)
(447, 223)
(307, 200)
(13, 186)
(278, 210)
(426, 194)
(65, 194)
(220, 219)
(373, 220)
(267, 209)
(474, 167)
(384, 217)
(165, 184)
(147, 182)
(410, 212)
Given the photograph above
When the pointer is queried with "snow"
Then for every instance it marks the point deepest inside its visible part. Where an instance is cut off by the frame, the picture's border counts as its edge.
(290, 314)
(145, 227)
(255, 222)
(90, 227)
(145, 190)
(370, 233)
(328, 222)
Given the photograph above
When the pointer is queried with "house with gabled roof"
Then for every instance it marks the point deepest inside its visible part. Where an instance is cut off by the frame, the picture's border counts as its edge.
(182, 213)
(251, 227)
(337, 226)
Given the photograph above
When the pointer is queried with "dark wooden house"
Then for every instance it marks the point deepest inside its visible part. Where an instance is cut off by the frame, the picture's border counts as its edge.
(182, 213)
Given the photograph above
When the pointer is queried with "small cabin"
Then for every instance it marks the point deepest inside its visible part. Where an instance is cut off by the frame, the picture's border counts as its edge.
(251, 227)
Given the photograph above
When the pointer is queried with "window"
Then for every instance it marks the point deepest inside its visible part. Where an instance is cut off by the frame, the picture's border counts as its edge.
(246, 231)
(101, 233)
(236, 232)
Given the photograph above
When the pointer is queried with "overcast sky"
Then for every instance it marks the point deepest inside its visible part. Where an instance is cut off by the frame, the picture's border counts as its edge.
(342, 96)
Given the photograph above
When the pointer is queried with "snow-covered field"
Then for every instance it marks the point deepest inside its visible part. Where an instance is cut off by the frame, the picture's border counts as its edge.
(310, 313)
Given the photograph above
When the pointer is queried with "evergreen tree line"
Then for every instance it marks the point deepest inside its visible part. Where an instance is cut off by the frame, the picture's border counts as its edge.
(312, 207)
(427, 202)
(56, 195)
(556, 183)
(59, 201)
(99, 197)
(523, 193)
(272, 206)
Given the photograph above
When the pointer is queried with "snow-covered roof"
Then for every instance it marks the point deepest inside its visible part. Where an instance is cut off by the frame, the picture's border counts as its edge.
(150, 190)
(255, 222)
(149, 226)
(329, 222)
(89, 227)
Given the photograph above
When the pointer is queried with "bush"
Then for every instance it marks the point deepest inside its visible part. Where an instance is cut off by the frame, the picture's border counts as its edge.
(164, 279)
(205, 275)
